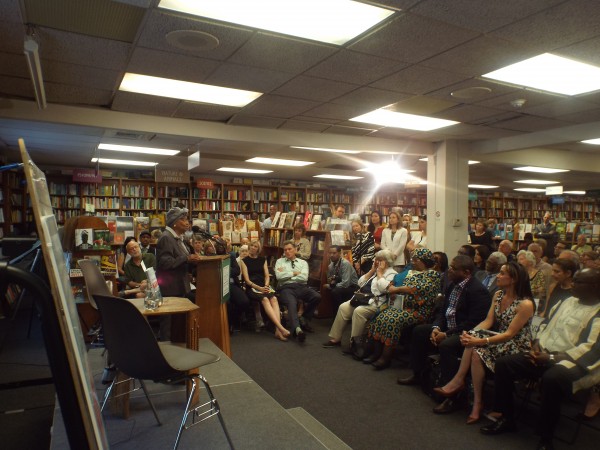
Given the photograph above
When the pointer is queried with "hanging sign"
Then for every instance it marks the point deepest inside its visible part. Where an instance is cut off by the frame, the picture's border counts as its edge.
(172, 175)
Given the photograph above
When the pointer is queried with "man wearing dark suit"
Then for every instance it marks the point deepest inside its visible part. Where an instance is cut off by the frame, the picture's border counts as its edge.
(145, 238)
(466, 304)
(488, 276)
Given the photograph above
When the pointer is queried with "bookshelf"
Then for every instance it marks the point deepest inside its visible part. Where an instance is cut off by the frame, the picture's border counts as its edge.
(292, 199)
(171, 194)
(207, 202)
(384, 201)
(237, 199)
(263, 197)
(14, 204)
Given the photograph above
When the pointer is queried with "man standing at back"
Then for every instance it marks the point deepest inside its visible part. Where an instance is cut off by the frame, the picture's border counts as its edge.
(292, 275)
(547, 230)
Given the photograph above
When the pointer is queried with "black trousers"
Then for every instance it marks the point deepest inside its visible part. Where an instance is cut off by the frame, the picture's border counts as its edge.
(340, 295)
(420, 346)
(557, 385)
(292, 293)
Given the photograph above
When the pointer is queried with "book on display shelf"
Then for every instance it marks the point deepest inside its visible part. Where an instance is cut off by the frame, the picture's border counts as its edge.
(275, 220)
(281, 222)
(101, 240)
(315, 222)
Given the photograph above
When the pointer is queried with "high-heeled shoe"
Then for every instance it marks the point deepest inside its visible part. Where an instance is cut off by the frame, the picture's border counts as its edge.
(474, 419)
(448, 394)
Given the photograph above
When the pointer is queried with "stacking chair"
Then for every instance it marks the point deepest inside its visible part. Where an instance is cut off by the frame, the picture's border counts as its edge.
(137, 353)
(95, 284)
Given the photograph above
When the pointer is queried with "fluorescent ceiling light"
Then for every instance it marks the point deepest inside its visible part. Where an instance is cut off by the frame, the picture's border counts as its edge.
(332, 21)
(332, 150)
(471, 162)
(133, 149)
(338, 177)
(482, 186)
(242, 170)
(280, 162)
(123, 162)
(592, 141)
(185, 90)
(375, 167)
(551, 73)
(32, 55)
(530, 190)
(542, 182)
(574, 192)
(540, 169)
(387, 118)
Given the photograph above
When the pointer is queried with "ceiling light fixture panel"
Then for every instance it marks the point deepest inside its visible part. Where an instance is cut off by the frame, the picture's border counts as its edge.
(540, 169)
(331, 150)
(483, 186)
(540, 182)
(123, 162)
(134, 149)
(592, 141)
(332, 21)
(280, 162)
(337, 177)
(185, 90)
(242, 170)
(551, 73)
(387, 118)
(529, 190)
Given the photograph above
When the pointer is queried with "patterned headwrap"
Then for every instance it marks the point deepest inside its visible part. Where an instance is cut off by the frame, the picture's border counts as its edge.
(423, 254)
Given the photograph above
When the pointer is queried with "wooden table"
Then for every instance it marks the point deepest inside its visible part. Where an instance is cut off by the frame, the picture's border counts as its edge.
(171, 305)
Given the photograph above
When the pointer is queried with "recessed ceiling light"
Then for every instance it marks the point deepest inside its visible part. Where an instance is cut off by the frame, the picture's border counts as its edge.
(280, 162)
(332, 150)
(530, 190)
(471, 162)
(542, 182)
(123, 162)
(575, 192)
(133, 149)
(387, 118)
(551, 73)
(337, 177)
(332, 21)
(185, 90)
(592, 141)
(482, 186)
(242, 170)
(540, 169)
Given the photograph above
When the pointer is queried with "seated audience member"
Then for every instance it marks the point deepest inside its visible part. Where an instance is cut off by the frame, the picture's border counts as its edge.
(341, 277)
(527, 241)
(123, 256)
(506, 247)
(566, 349)
(363, 247)
(559, 248)
(198, 246)
(581, 246)
(544, 244)
(241, 255)
(563, 271)
(540, 264)
(419, 289)
(340, 212)
(292, 274)
(268, 223)
(135, 275)
(537, 281)
(375, 227)
(589, 260)
(441, 265)
(238, 303)
(255, 273)
(488, 276)
(482, 253)
(145, 238)
(377, 280)
(468, 251)
(509, 316)
(393, 238)
(466, 303)
(302, 244)
(481, 235)
(418, 239)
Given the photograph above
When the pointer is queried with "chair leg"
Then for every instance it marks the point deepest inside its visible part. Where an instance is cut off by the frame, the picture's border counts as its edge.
(107, 394)
(218, 410)
(143, 385)
(186, 413)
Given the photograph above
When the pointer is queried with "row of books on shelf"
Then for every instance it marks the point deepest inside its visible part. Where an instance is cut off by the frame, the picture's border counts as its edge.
(64, 189)
(137, 190)
(242, 194)
(104, 189)
(167, 191)
(106, 263)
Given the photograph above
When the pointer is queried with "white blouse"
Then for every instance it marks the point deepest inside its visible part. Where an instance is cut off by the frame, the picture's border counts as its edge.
(395, 245)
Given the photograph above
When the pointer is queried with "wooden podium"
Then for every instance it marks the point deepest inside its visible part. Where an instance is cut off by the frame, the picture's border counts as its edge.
(213, 320)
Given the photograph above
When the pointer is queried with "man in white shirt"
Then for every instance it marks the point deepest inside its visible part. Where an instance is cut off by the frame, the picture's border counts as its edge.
(292, 275)
(268, 223)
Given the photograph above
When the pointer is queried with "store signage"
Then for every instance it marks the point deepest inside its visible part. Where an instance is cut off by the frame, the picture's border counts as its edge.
(86, 176)
(193, 160)
(172, 175)
(554, 190)
(205, 183)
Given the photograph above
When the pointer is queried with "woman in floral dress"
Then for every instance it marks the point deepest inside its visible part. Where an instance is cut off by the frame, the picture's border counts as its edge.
(505, 331)
(420, 289)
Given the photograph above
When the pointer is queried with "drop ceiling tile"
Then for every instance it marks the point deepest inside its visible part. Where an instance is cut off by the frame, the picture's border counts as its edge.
(393, 133)
(422, 105)
(371, 98)
(582, 117)
(352, 131)
(468, 113)
(560, 107)
(577, 20)
(336, 112)
(144, 104)
(532, 99)
(203, 111)
(249, 78)
(255, 121)
(84, 76)
(531, 123)
(481, 16)
(170, 65)
(317, 89)
(496, 89)
(17, 87)
(83, 50)
(354, 67)
(418, 80)
(160, 23)
(300, 125)
(400, 4)
(412, 38)
(76, 95)
(281, 54)
(15, 65)
(479, 56)
(12, 35)
(584, 51)
(278, 106)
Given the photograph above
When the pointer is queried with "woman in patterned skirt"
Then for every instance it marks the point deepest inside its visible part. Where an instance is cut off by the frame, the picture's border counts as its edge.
(505, 331)
(420, 289)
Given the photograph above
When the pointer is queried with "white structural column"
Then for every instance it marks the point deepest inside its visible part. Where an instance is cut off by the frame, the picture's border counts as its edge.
(447, 197)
